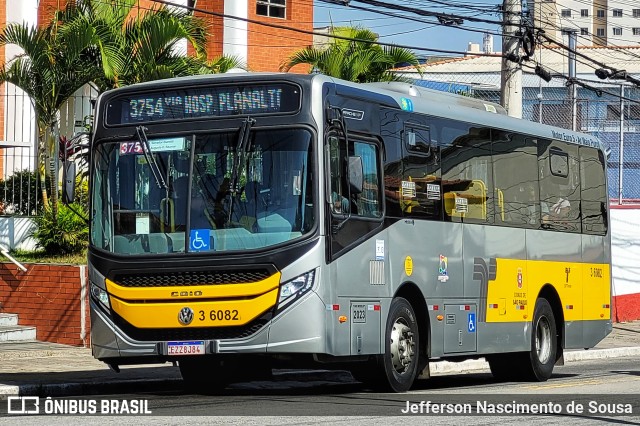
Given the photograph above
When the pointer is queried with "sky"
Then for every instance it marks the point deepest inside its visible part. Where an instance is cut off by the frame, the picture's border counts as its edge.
(403, 31)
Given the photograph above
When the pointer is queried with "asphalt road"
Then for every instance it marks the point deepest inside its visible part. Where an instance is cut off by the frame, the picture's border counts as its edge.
(599, 387)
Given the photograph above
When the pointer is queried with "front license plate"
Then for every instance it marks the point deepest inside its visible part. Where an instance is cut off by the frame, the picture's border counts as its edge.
(185, 348)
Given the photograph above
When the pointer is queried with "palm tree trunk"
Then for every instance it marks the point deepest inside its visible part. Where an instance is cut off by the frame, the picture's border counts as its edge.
(51, 140)
(42, 155)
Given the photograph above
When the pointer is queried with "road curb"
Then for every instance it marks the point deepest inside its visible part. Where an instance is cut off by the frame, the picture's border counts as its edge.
(448, 367)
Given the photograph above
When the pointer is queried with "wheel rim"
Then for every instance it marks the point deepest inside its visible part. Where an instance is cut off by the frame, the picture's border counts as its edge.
(543, 340)
(402, 346)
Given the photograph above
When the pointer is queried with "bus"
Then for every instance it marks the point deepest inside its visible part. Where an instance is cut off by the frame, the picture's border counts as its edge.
(245, 221)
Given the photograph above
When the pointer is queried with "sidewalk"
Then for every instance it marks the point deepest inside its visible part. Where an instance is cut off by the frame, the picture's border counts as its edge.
(49, 369)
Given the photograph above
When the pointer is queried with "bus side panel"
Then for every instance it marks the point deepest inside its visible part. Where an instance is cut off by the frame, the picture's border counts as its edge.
(545, 249)
(597, 289)
(496, 276)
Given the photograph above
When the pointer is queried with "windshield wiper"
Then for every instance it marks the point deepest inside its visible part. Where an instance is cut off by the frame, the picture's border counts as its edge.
(242, 146)
(148, 155)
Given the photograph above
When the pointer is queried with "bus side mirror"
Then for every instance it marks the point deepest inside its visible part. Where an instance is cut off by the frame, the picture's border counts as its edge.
(355, 174)
(69, 182)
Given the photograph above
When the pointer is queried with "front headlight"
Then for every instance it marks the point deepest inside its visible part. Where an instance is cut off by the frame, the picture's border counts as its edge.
(100, 295)
(295, 288)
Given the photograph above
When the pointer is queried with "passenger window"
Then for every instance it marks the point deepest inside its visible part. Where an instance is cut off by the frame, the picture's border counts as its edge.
(559, 174)
(516, 180)
(420, 189)
(467, 177)
(594, 191)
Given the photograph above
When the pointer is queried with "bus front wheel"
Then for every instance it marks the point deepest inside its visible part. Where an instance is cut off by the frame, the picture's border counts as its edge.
(399, 362)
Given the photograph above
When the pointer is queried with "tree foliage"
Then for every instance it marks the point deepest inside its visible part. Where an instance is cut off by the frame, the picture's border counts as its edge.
(361, 60)
(66, 233)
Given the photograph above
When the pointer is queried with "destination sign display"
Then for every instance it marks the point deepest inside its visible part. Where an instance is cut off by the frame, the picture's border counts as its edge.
(195, 103)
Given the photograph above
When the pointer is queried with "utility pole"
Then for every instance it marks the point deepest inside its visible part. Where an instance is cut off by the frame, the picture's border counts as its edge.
(511, 72)
(621, 152)
(573, 36)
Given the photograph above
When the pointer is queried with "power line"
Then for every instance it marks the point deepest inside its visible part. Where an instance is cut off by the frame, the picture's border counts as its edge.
(426, 12)
(411, 18)
(298, 30)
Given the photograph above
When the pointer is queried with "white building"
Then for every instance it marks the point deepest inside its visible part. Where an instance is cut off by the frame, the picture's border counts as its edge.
(598, 22)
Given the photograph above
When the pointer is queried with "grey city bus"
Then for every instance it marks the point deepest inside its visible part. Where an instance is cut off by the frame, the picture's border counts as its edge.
(249, 220)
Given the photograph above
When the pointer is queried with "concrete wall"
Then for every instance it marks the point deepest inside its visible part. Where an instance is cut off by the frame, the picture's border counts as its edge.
(14, 233)
(625, 252)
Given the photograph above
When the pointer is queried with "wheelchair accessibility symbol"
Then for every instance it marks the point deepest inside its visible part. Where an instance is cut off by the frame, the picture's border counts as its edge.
(471, 323)
(199, 240)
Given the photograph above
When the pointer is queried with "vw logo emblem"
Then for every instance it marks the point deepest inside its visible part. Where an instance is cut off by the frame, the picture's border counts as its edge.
(185, 316)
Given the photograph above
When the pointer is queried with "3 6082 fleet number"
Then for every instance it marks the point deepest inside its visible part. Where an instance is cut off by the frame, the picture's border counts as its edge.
(220, 315)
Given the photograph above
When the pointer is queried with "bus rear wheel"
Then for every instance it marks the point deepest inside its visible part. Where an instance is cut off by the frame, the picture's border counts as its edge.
(537, 364)
(544, 342)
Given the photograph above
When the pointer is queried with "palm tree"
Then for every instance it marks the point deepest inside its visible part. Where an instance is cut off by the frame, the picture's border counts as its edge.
(53, 66)
(359, 59)
(136, 47)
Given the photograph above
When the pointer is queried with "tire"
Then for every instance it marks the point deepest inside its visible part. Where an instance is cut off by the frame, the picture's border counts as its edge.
(544, 343)
(537, 364)
(398, 366)
(205, 374)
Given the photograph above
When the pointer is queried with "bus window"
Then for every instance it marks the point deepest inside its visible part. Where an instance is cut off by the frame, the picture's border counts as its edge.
(559, 173)
(391, 132)
(421, 190)
(515, 174)
(365, 201)
(368, 202)
(594, 192)
(467, 177)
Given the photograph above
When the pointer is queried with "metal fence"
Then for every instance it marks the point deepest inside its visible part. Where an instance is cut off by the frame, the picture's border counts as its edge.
(20, 188)
(597, 113)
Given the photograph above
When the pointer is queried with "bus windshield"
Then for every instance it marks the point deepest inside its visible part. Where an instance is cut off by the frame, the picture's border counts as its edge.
(193, 206)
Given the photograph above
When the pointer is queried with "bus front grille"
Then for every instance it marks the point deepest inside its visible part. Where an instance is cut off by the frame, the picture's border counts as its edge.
(191, 278)
(191, 333)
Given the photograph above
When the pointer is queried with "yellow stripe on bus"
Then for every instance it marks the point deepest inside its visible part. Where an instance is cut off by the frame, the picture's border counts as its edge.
(205, 313)
(583, 288)
(194, 292)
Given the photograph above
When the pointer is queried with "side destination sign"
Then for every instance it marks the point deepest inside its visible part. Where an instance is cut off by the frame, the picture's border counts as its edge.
(582, 139)
(194, 103)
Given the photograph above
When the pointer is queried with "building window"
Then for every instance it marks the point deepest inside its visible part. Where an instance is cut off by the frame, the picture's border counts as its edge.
(584, 31)
(584, 12)
(272, 8)
(566, 13)
(636, 31)
(617, 31)
(600, 13)
(617, 13)
(600, 32)
(636, 13)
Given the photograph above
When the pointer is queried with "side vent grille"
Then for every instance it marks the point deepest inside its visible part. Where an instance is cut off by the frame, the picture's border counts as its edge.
(376, 272)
